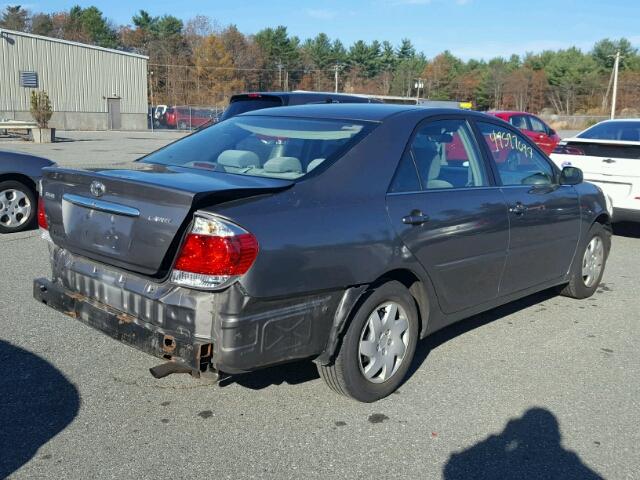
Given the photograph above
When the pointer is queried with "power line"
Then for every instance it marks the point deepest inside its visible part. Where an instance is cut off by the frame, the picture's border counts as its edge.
(241, 69)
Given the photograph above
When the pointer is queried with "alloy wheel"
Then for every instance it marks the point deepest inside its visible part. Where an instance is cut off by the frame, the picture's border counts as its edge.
(592, 262)
(15, 208)
(383, 342)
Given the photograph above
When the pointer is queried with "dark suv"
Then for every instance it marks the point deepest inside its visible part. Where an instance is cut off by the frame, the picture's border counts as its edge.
(246, 102)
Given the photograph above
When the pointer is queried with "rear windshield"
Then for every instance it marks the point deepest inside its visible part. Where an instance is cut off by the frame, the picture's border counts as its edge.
(625, 131)
(249, 104)
(277, 147)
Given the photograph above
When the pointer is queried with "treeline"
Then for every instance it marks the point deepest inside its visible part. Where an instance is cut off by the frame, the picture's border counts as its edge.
(202, 63)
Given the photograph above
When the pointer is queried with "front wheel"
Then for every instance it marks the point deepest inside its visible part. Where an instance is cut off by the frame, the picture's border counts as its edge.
(588, 266)
(378, 346)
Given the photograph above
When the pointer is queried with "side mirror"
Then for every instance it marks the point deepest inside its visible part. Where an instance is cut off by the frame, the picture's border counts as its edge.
(571, 176)
(551, 131)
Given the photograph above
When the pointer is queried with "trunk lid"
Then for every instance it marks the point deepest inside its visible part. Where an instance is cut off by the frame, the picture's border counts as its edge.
(134, 219)
(606, 157)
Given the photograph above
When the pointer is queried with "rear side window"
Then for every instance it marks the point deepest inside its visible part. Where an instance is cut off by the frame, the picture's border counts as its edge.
(517, 162)
(442, 154)
(406, 176)
(446, 156)
(519, 121)
(248, 104)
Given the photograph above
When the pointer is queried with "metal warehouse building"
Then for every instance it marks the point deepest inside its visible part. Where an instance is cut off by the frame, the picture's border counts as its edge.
(91, 88)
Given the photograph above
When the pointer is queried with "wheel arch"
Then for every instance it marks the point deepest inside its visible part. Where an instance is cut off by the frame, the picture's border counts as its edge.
(19, 177)
(417, 289)
(355, 296)
(604, 219)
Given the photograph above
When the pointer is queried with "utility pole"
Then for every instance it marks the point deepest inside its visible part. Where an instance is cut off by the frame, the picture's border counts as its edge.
(153, 113)
(616, 64)
(419, 83)
(336, 69)
(280, 67)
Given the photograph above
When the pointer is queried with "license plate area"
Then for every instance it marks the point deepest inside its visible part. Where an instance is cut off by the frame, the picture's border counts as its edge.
(93, 227)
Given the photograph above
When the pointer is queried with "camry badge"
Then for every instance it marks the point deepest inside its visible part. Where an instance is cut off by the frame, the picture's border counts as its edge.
(97, 188)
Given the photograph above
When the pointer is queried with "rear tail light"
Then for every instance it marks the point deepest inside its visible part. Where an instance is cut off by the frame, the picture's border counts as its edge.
(568, 150)
(214, 254)
(43, 223)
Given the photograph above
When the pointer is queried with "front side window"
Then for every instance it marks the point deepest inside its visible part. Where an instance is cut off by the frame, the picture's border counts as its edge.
(277, 147)
(446, 156)
(538, 126)
(517, 162)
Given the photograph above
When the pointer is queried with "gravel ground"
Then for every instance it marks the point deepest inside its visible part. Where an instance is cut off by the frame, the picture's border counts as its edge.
(546, 387)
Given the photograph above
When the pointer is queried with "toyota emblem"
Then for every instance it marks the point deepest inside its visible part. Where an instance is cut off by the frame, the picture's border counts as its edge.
(97, 188)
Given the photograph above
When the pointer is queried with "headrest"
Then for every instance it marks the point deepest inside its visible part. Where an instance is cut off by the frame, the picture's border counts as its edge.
(314, 163)
(238, 159)
(283, 165)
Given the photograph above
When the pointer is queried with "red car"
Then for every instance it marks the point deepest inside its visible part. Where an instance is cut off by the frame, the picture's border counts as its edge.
(187, 118)
(542, 134)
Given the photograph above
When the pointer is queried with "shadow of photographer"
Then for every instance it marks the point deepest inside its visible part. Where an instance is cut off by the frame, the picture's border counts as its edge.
(36, 403)
(528, 448)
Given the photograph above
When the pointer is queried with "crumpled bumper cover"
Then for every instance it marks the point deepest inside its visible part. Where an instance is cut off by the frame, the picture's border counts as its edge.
(163, 343)
(246, 333)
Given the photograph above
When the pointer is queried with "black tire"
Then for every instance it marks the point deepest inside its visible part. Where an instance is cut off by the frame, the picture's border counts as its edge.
(31, 197)
(183, 125)
(577, 288)
(344, 375)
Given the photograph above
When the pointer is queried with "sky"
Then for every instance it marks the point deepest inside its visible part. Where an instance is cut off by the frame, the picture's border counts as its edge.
(468, 28)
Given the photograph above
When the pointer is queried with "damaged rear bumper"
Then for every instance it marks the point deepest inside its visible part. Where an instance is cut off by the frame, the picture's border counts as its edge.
(162, 343)
(227, 331)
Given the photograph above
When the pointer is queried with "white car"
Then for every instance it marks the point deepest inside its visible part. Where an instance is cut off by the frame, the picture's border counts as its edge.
(609, 156)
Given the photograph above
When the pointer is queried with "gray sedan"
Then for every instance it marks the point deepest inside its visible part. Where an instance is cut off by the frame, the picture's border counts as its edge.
(19, 176)
(342, 233)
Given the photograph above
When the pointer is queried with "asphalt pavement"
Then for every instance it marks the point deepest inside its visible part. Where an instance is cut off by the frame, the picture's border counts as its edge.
(546, 387)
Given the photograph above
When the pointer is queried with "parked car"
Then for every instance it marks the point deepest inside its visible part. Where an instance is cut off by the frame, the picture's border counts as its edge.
(332, 232)
(246, 102)
(159, 115)
(533, 127)
(187, 118)
(19, 177)
(609, 155)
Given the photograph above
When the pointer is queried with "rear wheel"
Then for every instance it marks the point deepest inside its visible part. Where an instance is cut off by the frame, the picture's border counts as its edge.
(17, 206)
(182, 125)
(378, 346)
(588, 266)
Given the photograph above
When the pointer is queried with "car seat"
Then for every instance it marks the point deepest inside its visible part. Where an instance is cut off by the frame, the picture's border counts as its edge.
(238, 160)
(285, 167)
(428, 162)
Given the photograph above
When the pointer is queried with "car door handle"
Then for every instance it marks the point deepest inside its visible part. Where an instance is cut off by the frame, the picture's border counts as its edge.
(415, 218)
(518, 209)
(608, 160)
